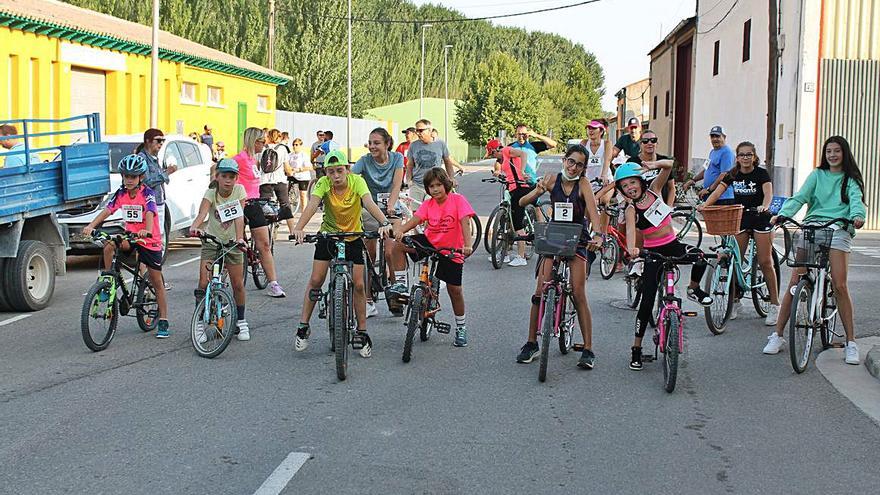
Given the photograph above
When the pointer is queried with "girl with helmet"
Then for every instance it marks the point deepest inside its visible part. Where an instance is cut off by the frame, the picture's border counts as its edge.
(647, 212)
(223, 209)
(138, 204)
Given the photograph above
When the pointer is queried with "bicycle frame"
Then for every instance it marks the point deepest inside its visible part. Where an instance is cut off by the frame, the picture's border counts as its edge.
(113, 276)
(560, 280)
(670, 303)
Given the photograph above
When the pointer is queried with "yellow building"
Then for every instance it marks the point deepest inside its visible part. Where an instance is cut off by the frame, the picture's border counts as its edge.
(58, 60)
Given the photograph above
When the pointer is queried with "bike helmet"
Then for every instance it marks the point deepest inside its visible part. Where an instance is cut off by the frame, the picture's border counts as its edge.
(227, 165)
(133, 165)
(627, 170)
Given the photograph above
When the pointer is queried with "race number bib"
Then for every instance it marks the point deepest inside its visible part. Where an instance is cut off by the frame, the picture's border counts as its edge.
(133, 213)
(657, 212)
(595, 161)
(229, 211)
(563, 212)
(382, 199)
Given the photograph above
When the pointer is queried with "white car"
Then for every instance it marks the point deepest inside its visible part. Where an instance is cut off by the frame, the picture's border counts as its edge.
(183, 193)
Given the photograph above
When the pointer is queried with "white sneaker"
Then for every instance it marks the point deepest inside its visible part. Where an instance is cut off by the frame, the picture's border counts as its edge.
(244, 332)
(201, 338)
(637, 269)
(774, 344)
(734, 311)
(772, 315)
(371, 309)
(367, 350)
(506, 258)
(518, 261)
(852, 353)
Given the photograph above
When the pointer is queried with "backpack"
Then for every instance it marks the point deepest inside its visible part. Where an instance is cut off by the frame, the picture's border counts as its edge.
(269, 161)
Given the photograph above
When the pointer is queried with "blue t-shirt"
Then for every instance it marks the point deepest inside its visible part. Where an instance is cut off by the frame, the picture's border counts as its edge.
(379, 178)
(18, 160)
(328, 146)
(720, 160)
(531, 150)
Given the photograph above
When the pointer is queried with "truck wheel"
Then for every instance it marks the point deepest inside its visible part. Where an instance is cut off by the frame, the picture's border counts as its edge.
(29, 279)
(4, 303)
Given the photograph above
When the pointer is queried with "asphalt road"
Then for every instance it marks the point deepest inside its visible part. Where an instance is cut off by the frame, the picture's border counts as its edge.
(149, 416)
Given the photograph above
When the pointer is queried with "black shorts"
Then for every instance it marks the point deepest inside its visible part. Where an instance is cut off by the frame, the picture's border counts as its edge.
(756, 222)
(302, 184)
(325, 250)
(447, 270)
(253, 214)
(150, 259)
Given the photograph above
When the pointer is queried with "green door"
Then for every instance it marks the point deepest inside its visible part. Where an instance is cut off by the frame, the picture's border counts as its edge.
(242, 122)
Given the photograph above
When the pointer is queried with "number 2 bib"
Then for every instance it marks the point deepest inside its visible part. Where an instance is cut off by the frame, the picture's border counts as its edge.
(563, 212)
(657, 212)
(229, 211)
(133, 213)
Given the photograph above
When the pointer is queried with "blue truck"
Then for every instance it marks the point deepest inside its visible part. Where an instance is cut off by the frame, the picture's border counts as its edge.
(35, 184)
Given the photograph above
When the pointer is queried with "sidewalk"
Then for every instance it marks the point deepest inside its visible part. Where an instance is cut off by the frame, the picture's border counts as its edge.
(854, 382)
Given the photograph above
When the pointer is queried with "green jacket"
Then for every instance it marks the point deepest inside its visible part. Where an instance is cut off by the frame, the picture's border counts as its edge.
(821, 192)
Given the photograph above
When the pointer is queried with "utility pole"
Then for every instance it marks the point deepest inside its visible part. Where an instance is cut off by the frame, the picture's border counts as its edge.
(154, 69)
(422, 79)
(772, 86)
(271, 61)
(446, 91)
(348, 120)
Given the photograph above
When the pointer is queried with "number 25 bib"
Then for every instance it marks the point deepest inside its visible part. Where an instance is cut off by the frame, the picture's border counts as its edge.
(229, 211)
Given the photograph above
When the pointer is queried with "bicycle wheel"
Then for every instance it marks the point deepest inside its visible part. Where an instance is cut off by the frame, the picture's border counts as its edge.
(498, 245)
(545, 210)
(633, 287)
(830, 316)
(717, 285)
(684, 223)
(566, 328)
(760, 291)
(549, 305)
(801, 328)
(487, 235)
(211, 330)
(261, 280)
(99, 317)
(671, 351)
(146, 306)
(655, 311)
(340, 325)
(413, 318)
(293, 197)
(531, 218)
(476, 232)
(608, 258)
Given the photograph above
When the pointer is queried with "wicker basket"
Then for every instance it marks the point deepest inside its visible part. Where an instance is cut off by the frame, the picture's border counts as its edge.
(557, 238)
(723, 220)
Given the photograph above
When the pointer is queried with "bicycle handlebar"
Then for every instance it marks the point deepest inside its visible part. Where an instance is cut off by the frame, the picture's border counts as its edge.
(210, 238)
(684, 259)
(337, 236)
(503, 178)
(781, 220)
(103, 235)
(412, 243)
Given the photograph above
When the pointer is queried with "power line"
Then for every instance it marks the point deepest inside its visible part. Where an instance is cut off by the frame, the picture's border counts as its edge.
(720, 20)
(465, 19)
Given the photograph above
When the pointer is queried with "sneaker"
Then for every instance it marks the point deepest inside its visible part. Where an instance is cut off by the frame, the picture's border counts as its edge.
(399, 289)
(367, 350)
(772, 315)
(302, 338)
(635, 363)
(460, 337)
(636, 270)
(518, 261)
(587, 360)
(167, 286)
(699, 296)
(201, 337)
(506, 258)
(163, 332)
(852, 352)
(774, 344)
(738, 305)
(527, 353)
(244, 332)
(275, 290)
(371, 309)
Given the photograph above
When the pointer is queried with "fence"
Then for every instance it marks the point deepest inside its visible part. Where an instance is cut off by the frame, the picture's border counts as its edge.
(305, 125)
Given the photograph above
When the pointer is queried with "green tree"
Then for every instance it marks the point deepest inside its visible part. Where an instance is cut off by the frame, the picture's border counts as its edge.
(577, 99)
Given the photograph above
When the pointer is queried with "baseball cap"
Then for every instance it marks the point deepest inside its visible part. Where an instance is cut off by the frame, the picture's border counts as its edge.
(717, 130)
(335, 157)
(493, 145)
(409, 129)
(227, 165)
(633, 122)
(597, 124)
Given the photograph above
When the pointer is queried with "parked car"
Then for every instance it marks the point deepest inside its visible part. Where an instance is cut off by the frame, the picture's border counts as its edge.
(183, 193)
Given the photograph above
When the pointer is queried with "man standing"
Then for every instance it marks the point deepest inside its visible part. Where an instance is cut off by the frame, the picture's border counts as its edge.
(531, 148)
(629, 142)
(721, 160)
(403, 148)
(14, 145)
(649, 153)
(425, 154)
(208, 138)
(314, 154)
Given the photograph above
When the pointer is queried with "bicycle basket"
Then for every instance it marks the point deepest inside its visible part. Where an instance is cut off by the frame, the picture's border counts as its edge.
(808, 246)
(557, 238)
(723, 220)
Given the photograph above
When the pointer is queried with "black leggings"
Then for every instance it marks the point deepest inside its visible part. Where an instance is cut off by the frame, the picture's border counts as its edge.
(516, 211)
(651, 279)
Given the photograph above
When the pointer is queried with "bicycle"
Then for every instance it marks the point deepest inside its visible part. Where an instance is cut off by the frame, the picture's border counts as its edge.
(376, 275)
(814, 305)
(423, 300)
(742, 270)
(340, 296)
(613, 250)
(500, 225)
(110, 297)
(253, 259)
(410, 205)
(293, 193)
(215, 320)
(669, 335)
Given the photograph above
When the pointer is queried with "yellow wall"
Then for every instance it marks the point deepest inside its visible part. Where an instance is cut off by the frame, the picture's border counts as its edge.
(40, 88)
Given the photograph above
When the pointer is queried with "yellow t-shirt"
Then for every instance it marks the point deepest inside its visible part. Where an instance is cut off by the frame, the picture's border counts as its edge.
(342, 213)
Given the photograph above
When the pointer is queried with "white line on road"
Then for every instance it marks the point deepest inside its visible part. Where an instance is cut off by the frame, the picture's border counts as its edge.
(283, 474)
(187, 261)
(864, 266)
(13, 319)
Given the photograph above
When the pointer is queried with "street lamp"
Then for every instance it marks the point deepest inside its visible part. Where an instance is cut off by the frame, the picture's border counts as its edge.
(348, 115)
(446, 91)
(154, 68)
(422, 80)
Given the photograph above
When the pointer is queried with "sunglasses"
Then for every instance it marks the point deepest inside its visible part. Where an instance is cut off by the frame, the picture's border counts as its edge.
(423, 129)
(297, 144)
(652, 140)
(159, 140)
(745, 155)
(571, 161)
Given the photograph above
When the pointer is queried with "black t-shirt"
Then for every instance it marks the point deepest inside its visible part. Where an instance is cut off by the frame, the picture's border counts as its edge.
(748, 189)
(631, 148)
(652, 174)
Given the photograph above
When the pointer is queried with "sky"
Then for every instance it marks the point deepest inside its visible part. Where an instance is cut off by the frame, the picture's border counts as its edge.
(618, 32)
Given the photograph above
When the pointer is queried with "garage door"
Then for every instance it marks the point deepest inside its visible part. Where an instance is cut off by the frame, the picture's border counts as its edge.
(88, 93)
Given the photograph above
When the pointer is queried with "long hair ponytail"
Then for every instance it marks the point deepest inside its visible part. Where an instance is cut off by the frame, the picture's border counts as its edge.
(850, 167)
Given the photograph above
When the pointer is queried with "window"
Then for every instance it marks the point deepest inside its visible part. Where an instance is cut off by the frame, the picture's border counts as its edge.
(262, 103)
(172, 156)
(747, 40)
(189, 93)
(667, 104)
(215, 96)
(717, 54)
(655, 106)
(189, 151)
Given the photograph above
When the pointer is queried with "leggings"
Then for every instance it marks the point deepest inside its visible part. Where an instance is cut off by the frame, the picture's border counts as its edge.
(516, 211)
(651, 279)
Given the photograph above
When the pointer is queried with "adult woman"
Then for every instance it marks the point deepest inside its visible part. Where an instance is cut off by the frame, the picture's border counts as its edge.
(834, 190)
(598, 160)
(382, 169)
(752, 189)
(300, 168)
(572, 200)
(249, 178)
(273, 179)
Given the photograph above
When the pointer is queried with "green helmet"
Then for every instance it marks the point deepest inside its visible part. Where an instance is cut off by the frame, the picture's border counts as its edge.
(227, 165)
(335, 158)
(627, 170)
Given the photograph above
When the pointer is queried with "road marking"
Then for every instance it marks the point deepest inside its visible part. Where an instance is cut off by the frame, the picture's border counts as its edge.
(13, 319)
(864, 266)
(187, 261)
(282, 475)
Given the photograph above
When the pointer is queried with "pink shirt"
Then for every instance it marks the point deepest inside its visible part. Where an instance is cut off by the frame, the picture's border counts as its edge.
(444, 222)
(136, 209)
(248, 174)
(509, 165)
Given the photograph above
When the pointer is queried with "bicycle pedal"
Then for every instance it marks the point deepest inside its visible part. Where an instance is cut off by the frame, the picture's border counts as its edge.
(442, 327)
(690, 314)
(358, 342)
(315, 295)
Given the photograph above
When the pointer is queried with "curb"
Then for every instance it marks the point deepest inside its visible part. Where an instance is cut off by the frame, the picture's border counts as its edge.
(872, 361)
(856, 383)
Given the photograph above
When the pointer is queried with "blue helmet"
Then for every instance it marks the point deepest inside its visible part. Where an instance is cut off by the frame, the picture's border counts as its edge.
(133, 165)
(227, 165)
(627, 170)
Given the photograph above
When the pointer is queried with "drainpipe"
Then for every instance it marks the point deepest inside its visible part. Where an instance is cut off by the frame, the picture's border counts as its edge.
(772, 85)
